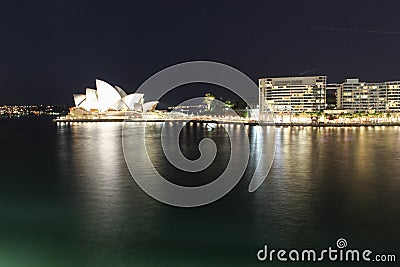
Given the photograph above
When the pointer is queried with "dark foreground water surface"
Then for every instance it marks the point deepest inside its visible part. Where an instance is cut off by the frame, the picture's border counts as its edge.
(67, 198)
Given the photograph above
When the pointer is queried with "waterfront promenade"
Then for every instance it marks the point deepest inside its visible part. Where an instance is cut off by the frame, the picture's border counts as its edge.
(232, 121)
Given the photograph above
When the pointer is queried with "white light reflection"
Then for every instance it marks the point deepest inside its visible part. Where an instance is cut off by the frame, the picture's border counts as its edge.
(98, 160)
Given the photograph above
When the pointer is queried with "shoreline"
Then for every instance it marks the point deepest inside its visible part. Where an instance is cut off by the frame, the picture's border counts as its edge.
(336, 124)
(250, 123)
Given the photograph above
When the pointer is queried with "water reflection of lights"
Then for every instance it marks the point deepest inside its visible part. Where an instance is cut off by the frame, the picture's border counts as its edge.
(97, 155)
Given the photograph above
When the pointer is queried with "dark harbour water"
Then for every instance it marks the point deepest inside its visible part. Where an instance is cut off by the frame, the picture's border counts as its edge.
(67, 199)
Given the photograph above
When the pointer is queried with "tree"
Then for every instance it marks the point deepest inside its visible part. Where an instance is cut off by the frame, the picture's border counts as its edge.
(209, 98)
(229, 104)
(297, 115)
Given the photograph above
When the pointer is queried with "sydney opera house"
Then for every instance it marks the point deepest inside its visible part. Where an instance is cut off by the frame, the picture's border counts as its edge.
(108, 102)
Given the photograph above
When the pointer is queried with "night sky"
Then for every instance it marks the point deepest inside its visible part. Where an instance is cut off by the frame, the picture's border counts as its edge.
(52, 49)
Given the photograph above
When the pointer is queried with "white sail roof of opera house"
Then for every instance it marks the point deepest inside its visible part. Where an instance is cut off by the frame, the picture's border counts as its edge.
(107, 97)
(78, 99)
(149, 106)
(120, 91)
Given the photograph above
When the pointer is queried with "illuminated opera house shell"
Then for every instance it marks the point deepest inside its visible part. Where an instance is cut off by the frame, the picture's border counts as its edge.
(108, 98)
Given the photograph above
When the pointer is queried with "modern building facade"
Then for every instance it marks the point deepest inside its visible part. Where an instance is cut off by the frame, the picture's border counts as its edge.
(292, 94)
(358, 96)
(309, 94)
(393, 96)
(355, 95)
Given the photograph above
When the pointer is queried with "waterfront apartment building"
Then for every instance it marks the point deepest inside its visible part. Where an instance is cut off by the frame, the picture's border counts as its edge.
(393, 96)
(354, 95)
(292, 94)
(308, 94)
